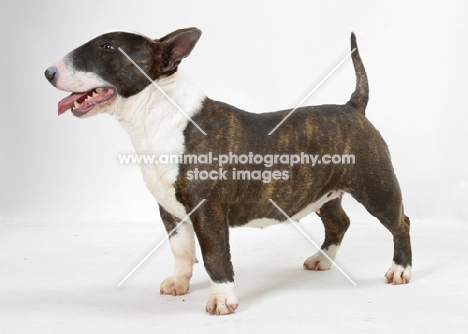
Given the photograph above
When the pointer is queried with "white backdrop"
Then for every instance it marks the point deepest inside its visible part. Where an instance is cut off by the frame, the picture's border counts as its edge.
(256, 55)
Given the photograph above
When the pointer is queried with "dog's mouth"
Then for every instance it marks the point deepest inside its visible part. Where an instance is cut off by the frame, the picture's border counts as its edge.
(81, 103)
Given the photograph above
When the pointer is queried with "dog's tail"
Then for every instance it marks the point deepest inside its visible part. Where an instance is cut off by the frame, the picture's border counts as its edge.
(360, 97)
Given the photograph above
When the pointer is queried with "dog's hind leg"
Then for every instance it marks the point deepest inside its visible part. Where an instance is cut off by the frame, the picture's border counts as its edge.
(382, 198)
(336, 223)
(400, 271)
(182, 243)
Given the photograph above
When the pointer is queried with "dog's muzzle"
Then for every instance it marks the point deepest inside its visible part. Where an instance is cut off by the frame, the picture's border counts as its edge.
(52, 75)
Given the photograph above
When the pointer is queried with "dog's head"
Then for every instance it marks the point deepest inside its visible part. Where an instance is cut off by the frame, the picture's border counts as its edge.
(98, 73)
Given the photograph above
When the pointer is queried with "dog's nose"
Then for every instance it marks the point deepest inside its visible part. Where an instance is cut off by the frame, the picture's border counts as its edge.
(51, 74)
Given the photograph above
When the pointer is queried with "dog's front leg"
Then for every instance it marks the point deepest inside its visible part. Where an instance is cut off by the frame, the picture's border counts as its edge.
(213, 236)
(182, 243)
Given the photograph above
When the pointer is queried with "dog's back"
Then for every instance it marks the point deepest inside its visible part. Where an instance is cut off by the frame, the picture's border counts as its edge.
(318, 131)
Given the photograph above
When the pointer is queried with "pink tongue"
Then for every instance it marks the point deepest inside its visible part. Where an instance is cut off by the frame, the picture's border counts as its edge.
(67, 103)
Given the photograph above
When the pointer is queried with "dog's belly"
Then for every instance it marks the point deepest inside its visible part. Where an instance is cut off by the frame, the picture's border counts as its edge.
(312, 207)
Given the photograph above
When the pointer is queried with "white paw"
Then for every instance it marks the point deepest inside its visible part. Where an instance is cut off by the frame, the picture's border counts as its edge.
(223, 299)
(175, 285)
(398, 275)
(321, 262)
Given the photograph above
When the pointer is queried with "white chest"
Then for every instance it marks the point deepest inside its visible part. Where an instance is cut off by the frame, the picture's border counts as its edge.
(155, 125)
(159, 180)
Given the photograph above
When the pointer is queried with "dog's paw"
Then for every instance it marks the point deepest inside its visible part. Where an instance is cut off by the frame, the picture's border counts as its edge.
(220, 304)
(223, 299)
(319, 261)
(397, 274)
(175, 285)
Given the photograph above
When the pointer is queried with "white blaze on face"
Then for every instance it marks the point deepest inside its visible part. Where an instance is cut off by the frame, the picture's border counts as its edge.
(70, 80)
(90, 93)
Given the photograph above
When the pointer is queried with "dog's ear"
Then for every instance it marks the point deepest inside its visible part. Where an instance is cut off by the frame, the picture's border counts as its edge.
(176, 46)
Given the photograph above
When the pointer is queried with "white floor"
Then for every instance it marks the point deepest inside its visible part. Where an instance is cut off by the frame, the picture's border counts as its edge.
(59, 278)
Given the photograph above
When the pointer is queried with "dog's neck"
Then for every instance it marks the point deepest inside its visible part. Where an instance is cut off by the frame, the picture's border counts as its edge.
(151, 119)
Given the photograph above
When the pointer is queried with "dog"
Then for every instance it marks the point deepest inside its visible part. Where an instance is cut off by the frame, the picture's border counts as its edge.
(174, 116)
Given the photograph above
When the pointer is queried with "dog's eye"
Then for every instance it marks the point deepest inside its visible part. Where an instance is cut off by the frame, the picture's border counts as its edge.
(107, 46)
